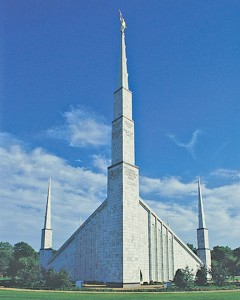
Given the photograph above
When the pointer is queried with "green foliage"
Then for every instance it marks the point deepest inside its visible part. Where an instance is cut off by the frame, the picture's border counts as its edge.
(21, 264)
(23, 256)
(184, 278)
(56, 280)
(22, 249)
(6, 251)
(29, 274)
(237, 255)
(194, 249)
(237, 252)
(225, 262)
(201, 276)
(219, 273)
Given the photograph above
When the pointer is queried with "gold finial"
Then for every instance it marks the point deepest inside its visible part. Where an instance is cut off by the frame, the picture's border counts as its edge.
(123, 24)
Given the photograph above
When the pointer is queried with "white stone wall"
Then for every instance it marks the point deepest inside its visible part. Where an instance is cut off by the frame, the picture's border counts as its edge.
(130, 235)
(65, 259)
(202, 238)
(123, 141)
(184, 257)
(44, 256)
(123, 128)
(87, 253)
(143, 251)
(161, 251)
(105, 250)
(46, 241)
(122, 104)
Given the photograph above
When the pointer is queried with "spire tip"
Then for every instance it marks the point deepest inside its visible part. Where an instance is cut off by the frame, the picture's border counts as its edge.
(123, 23)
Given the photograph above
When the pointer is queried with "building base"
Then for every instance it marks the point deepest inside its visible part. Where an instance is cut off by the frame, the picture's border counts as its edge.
(123, 285)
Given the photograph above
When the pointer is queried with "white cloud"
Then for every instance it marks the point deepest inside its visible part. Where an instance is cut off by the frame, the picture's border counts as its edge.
(167, 187)
(82, 128)
(76, 193)
(222, 208)
(190, 146)
(182, 219)
(101, 162)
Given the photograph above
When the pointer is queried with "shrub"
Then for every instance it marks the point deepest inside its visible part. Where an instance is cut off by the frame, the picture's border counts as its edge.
(56, 280)
(201, 276)
(184, 278)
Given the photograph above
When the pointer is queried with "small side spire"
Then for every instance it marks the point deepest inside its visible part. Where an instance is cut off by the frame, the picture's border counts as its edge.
(47, 223)
(203, 250)
(46, 241)
(123, 74)
(201, 215)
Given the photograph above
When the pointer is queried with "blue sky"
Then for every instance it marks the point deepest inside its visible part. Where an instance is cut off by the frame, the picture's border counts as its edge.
(59, 65)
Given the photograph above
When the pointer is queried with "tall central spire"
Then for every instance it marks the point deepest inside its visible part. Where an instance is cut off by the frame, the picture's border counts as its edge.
(123, 126)
(123, 74)
(123, 183)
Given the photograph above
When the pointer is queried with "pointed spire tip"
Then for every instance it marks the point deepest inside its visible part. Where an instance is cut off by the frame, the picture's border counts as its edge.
(123, 23)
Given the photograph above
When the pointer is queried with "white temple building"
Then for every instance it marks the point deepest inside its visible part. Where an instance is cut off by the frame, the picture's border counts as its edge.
(124, 242)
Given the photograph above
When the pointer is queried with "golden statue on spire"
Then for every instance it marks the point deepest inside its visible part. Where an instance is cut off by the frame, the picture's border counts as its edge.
(123, 24)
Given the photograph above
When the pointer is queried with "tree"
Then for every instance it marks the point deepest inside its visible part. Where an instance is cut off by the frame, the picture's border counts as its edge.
(179, 278)
(194, 249)
(226, 259)
(6, 251)
(56, 280)
(201, 276)
(219, 273)
(22, 249)
(17, 263)
(232, 266)
(220, 253)
(21, 263)
(237, 252)
(237, 255)
(29, 273)
(184, 278)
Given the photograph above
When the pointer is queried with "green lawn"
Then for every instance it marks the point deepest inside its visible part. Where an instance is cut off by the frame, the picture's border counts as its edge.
(15, 295)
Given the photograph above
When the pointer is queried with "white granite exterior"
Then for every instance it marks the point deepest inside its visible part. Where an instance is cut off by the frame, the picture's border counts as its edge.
(203, 250)
(123, 237)
(161, 251)
(46, 242)
(105, 250)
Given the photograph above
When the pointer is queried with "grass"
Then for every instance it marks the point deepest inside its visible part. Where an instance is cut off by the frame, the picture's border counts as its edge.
(32, 295)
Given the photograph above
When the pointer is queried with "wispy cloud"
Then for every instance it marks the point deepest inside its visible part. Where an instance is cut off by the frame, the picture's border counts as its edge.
(227, 174)
(82, 128)
(190, 146)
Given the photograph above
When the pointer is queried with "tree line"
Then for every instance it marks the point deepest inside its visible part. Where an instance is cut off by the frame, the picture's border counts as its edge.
(20, 264)
(225, 264)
